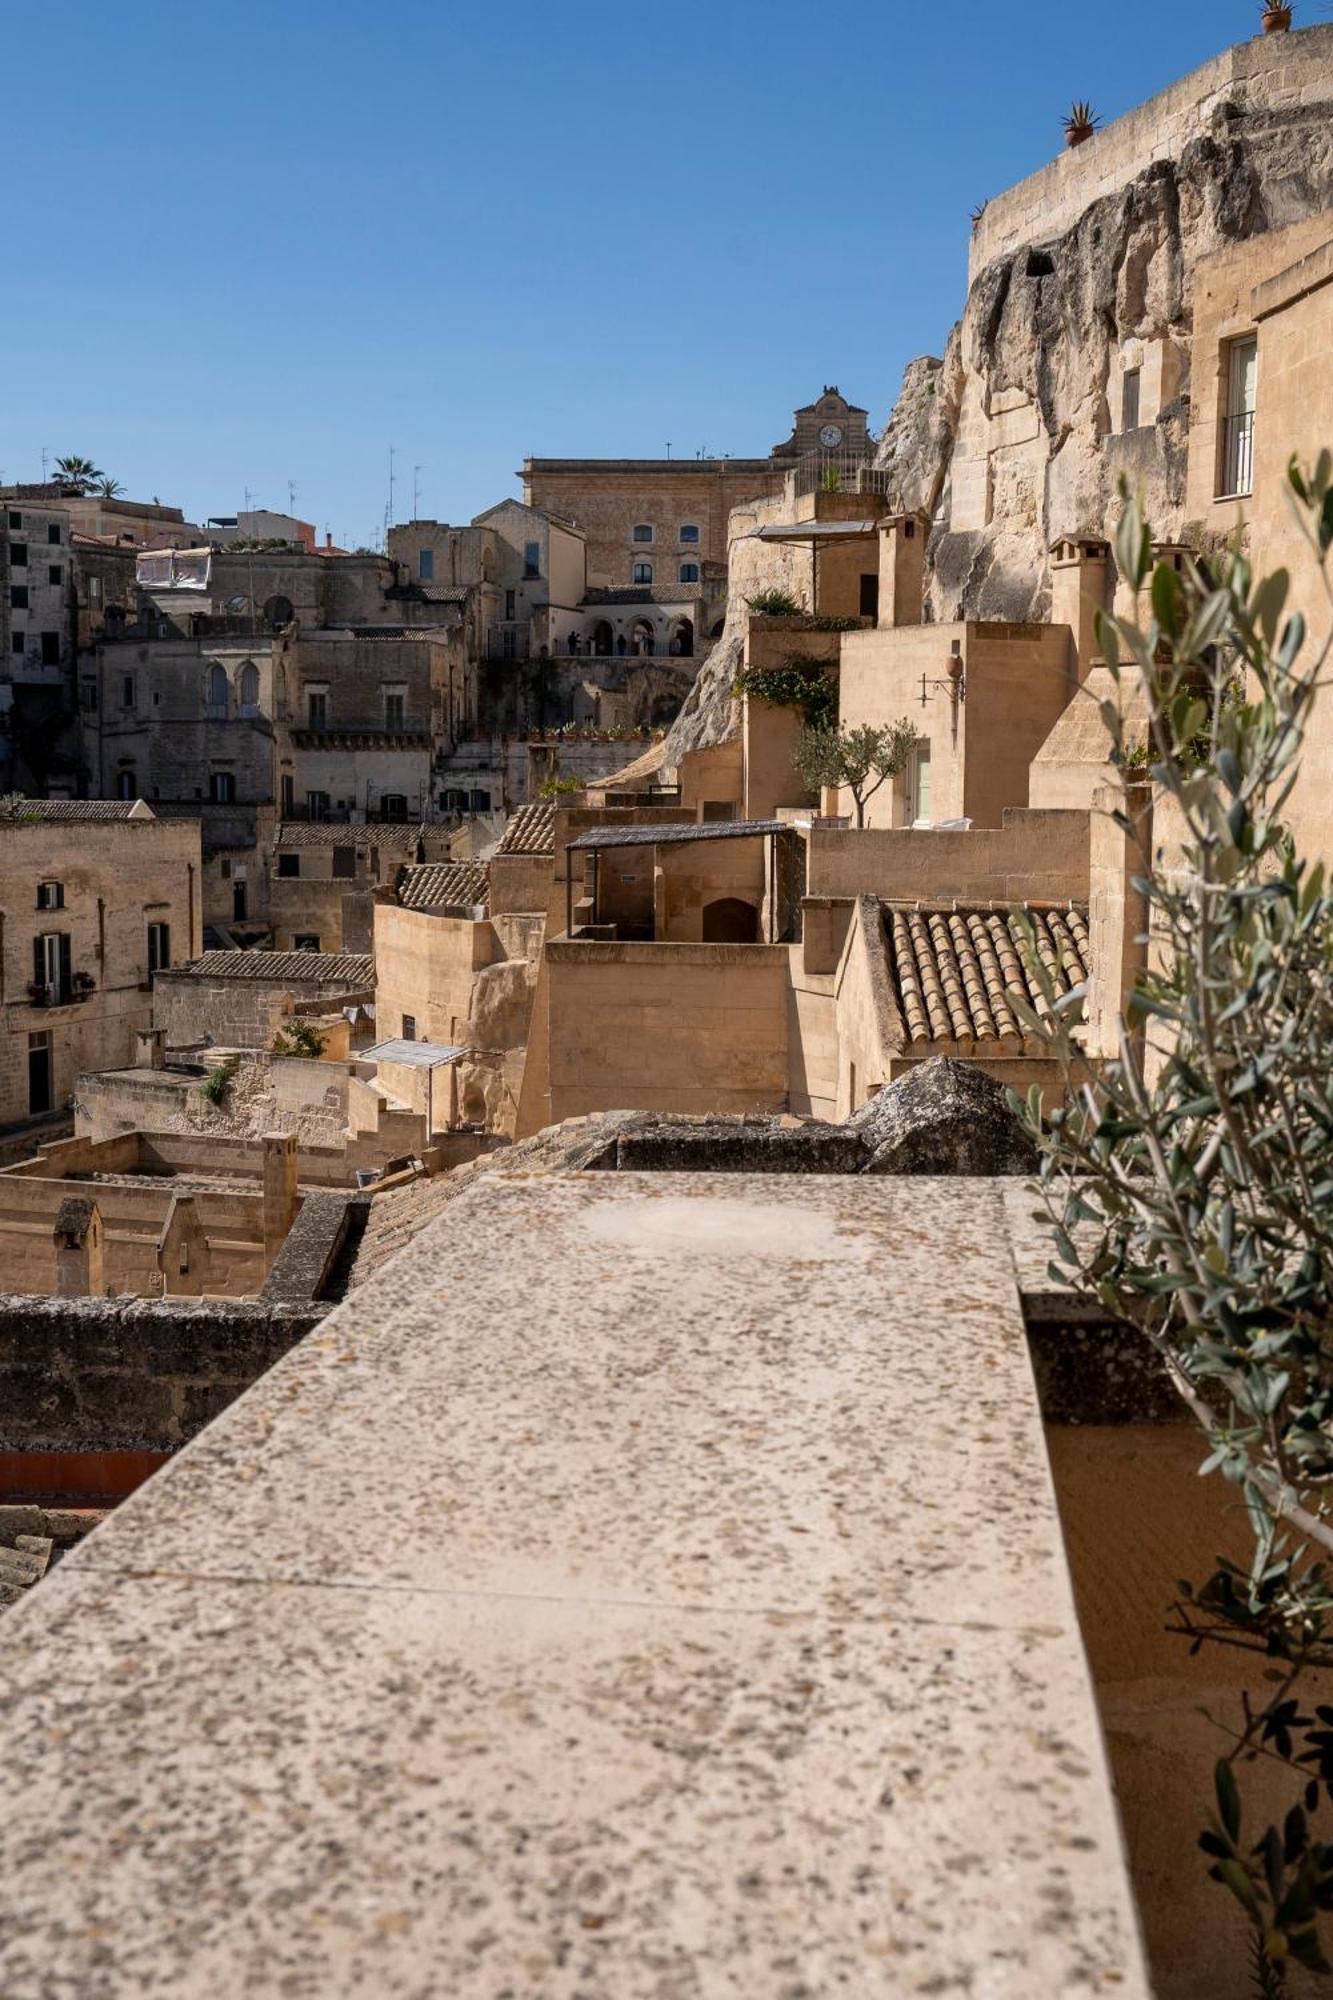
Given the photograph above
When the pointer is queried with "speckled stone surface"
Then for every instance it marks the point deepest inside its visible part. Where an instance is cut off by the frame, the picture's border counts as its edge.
(646, 1588)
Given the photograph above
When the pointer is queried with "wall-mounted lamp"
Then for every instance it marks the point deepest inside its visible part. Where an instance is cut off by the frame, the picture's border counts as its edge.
(956, 684)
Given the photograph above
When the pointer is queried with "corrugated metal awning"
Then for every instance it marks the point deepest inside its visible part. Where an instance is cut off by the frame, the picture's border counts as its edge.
(417, 1055)
(816, 531)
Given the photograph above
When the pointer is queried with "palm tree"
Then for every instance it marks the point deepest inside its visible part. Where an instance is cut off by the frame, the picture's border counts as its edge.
(108, 488)
(76, 474)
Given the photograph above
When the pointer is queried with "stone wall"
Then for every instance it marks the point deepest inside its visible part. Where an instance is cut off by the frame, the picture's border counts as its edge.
(131, 1374)
(235, 1013)
(115, 879)
(1030, 857)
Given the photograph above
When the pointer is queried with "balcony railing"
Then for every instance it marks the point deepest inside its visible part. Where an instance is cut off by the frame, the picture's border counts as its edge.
(1237, 456)
(840, 472)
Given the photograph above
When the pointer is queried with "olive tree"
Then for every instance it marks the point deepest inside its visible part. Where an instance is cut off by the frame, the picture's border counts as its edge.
(1189, 1177)
(862, 759)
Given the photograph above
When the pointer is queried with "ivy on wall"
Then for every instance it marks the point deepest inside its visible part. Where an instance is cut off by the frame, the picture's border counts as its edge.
(802, 681)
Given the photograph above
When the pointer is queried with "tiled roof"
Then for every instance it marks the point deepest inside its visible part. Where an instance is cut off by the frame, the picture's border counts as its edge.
(443, 885)
(531, 830)
(335, 833)
(952, 968)
(665, 833)
(30, 809)
(352, 970)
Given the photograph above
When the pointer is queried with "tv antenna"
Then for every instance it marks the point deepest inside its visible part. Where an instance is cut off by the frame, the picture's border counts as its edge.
(416, 492)
(388, 516)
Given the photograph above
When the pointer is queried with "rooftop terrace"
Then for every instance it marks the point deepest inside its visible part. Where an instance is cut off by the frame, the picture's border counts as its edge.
(612, 1616)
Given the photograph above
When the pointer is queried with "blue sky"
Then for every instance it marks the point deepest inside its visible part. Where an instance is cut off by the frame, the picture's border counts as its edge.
(257, 243)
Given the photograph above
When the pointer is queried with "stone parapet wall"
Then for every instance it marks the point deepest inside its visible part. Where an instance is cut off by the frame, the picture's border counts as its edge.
(1274, 73)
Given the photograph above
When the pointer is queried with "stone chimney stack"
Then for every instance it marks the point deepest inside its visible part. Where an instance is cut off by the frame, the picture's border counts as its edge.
(150, 1048)
(902, 569)
(1080, 569)
(80, 1266)
(279, 1191)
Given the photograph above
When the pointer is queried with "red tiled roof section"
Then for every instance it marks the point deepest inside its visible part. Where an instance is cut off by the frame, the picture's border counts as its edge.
(531, 830)
(954, 969)
(443, 885)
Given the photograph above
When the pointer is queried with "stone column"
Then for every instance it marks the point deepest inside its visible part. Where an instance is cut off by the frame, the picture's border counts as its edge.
(279, 1191)
(80, 1262)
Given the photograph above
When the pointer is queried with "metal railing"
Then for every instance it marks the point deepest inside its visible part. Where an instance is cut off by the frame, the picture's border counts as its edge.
(840, 472)
(1237, 469)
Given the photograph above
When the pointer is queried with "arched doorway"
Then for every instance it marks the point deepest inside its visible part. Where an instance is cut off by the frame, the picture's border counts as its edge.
(278, 611)
(603, 638)
(641, 638)
(730, 921)
(682, 638)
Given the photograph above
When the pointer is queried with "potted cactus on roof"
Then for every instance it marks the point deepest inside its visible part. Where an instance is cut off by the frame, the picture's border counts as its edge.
(1276, 19)
(1080, 124)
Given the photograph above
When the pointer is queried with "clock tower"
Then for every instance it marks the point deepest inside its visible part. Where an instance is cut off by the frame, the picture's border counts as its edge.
(831, 424)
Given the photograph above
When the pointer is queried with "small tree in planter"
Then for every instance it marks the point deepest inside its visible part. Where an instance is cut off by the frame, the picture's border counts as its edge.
(861, 759)
(1190, 1181)
(1276, 19)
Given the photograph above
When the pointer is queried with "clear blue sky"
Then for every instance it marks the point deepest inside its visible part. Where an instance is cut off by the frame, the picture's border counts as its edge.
(264, 240)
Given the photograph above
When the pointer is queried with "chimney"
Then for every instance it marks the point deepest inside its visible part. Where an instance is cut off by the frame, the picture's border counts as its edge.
(1079, 570)
(902, 568)
(328, 539)
(279, 1191)
(150, 1048)
(80, 1267)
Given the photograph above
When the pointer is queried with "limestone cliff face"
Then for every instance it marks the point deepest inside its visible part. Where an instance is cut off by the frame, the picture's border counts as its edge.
(1019, 434)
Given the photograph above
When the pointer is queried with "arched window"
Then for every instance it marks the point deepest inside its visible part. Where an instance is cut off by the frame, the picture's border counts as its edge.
(249, 688)
(642, 572)
(217, 689)
(689, 572)
(689, 532)
(642, 531)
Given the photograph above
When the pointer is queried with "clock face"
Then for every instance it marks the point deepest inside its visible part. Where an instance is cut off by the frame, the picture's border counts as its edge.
(830, 435)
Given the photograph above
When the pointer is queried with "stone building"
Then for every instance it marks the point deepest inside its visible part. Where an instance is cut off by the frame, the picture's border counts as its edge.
(96, 898)
(662, 521)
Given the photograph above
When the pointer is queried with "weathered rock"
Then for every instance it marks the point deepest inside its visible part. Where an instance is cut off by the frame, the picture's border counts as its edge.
(749, 1145)
(944, 1118)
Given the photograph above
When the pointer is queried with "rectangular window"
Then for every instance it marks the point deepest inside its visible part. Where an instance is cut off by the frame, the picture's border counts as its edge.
(52, 976)
(317, 805)
(127, 691)
(344, 863)
(50, 895)
(289, 866)
(1236, 469)
(53, 533)
(689, 572)
(127, 785)
(409, 1027)
(918, 784)
(90, 696)
(94, 590)
(15, 520)
(222, 787)
(54, 573)
(305, 941)
(17, 643)
(642, 572)
(1131, 388)
(395, 711)
(393, 806)
(288, 795)
(532, 558)
(50, 649)
(159, 947)
(18, 555)
(426, 565)
(868, 602)
(18, 597)
(317, 709)
(511, 603)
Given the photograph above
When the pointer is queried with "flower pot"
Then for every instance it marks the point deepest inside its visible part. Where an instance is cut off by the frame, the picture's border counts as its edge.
(1276, 20)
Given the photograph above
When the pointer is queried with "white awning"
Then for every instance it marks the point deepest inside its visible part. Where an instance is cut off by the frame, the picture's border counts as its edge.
(815, 531)
(417, 1055)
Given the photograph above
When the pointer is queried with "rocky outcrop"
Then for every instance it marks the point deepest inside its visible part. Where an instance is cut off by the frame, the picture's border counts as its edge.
(944, 1118)
(1013, 438)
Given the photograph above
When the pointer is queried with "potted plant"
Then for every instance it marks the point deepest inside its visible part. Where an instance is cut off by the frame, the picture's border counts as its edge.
(1081, 123)
(1276, 19)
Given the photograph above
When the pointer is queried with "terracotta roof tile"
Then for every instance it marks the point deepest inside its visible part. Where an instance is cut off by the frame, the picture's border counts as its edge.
(444, 885)
(338, 833)
(954, 969)
(531, 830)
(353, 970)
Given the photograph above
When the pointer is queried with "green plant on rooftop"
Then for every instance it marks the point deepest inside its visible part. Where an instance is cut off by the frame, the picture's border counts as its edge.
(860, 759)
(107, 488)
(1081, 122)
(803, 681)
(217, 1083)
(1189, 1181)
(560, 788)
(773, 604)
(77, 475)
(299, 1038)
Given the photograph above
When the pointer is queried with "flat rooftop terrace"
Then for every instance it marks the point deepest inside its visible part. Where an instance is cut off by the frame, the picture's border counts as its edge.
(616, 1615)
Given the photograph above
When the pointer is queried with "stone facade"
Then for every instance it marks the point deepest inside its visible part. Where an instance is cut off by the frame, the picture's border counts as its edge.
(89, 907)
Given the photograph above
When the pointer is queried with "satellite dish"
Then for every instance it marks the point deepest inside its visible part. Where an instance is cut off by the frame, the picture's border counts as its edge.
(238, 604)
